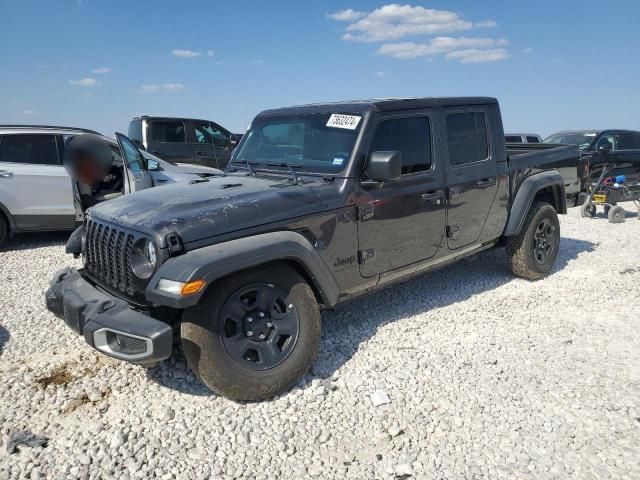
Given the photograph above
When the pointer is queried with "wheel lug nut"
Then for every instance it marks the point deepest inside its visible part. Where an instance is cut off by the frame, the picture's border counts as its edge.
(262, 336)
(269, 324)
(249, 333)
(249, 319)
(261, 314)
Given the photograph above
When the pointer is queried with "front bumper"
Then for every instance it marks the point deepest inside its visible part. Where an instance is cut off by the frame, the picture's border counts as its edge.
(107, 323)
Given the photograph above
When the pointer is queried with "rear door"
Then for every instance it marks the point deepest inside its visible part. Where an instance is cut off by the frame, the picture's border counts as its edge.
(34, 186)
(136, 174)
(167, 139)
(472, 174)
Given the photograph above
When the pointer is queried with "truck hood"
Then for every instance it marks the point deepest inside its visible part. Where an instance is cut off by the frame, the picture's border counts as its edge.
(207, 208)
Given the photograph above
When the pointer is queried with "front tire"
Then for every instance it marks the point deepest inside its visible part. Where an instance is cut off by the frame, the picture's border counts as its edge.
(533, 252)
(254, 334)
(616, 214)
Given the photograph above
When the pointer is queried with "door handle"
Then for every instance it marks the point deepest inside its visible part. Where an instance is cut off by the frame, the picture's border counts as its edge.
(201, 152)
(486, 182)
(433, 197)
(5, 174)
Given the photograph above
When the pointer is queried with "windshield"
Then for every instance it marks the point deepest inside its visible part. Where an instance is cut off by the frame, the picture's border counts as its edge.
(583, 140)
(314, 143)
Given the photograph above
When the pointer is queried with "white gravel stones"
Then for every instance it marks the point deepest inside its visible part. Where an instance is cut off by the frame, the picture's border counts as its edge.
(380, 397)
(489, 377)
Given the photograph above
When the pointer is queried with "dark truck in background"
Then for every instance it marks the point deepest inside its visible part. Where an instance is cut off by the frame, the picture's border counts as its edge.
(184, 140)
(320, 203)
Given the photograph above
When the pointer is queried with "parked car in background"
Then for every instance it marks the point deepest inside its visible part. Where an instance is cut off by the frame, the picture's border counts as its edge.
(189, 140)
(597, 140)
(36, 191)
(522, 138)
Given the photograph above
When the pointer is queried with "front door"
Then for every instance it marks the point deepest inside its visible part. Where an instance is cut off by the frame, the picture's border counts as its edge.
(472, 176)
(402, 222)
(136, 174)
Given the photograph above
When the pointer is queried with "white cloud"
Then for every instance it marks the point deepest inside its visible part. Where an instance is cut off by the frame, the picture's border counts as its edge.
(185, 53)
(348, 15)
(256, 62)
(528, 50)
(394, 21)
(479, 56)
(211, 53)
(85, 82)
(165, 87)
(28, 111)
(101, 70)
(381, 74)
(436, 46)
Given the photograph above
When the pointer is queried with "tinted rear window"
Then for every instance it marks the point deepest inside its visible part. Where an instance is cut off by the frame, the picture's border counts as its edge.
(467, 138)
(513, 139)
(533, 140)
(31, 149)
(168, 132)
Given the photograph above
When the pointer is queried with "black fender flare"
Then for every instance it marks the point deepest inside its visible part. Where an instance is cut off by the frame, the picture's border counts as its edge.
(217, 261)
(527, 193)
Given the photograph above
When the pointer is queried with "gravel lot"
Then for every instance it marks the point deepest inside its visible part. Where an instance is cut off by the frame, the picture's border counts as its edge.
(487, 375)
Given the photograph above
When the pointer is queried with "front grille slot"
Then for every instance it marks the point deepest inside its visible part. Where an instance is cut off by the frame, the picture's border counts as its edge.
(108, 256)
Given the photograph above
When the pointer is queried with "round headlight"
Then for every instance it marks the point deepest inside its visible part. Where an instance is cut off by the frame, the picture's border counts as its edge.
(143, 258)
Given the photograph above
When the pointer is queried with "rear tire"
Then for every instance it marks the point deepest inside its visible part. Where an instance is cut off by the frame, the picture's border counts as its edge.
(4, 230)
(254, 334)
(533, 252)
(616, 214)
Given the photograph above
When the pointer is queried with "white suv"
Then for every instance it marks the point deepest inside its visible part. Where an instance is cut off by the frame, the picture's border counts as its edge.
(35, 190)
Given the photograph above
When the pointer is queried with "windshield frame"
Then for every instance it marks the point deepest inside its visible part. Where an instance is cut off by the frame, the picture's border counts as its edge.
(346, 169)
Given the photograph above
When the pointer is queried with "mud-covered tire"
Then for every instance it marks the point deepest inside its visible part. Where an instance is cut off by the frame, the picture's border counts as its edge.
(540, 233)
(4, 230)
(206, 336)
(616, 214)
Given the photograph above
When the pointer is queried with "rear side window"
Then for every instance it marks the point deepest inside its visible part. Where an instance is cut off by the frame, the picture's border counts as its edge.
(467, 138)
(533, 140)
(513, 139)
(409, 136)
(30, 149)
(627, 141)
(168, 132)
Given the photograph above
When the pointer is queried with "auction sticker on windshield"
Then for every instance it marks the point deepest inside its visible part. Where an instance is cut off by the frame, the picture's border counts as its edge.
(349, 122)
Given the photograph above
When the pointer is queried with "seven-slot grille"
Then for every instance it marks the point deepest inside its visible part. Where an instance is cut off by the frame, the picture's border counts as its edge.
(108, 255)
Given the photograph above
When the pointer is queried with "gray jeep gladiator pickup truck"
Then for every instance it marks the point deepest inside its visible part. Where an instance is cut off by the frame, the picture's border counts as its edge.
(320, 203)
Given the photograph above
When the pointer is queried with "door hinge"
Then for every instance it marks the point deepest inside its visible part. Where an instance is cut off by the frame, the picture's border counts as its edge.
(365, 212)
(365, 255)
(452, 230)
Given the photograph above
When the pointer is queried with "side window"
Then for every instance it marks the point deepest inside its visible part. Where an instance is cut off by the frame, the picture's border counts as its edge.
(627, 141)
(410, 136)
(533, 140)
(135, 162)
(31, 149)
(209, 133)
(513, 139)
(607, 141)
(168, 132)
(467, 138)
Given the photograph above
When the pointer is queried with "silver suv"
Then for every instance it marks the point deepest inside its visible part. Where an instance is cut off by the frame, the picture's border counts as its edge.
(35, 190)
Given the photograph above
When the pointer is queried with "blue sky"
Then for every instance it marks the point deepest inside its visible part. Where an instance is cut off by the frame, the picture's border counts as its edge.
(95, 63)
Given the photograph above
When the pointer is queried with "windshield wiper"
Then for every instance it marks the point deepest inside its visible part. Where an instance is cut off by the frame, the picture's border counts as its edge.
(290, 167)
(249, 166)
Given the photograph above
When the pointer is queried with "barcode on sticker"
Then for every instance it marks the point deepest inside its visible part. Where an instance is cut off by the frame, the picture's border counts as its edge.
(350, 122)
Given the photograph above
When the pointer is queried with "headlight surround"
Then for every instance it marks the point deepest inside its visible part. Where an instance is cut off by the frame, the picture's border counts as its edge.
(144, 258)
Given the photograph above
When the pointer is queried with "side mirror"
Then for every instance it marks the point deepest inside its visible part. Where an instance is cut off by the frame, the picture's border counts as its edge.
(384, 166)
(153, 166)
